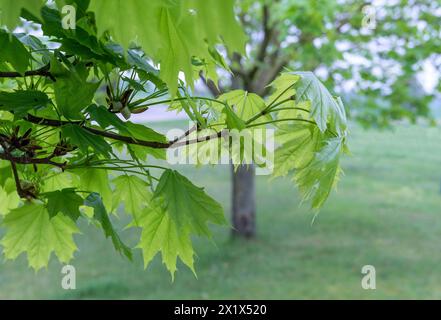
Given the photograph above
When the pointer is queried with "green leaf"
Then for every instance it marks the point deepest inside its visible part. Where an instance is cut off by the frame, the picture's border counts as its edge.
(299, 144)
(246, 105)
(133, 192)
(175, 55)
(29, 229)
(10, 10)
(177, 211)
(177, 32)
(14, 52)
(100, 214)
(95, 180)
(9, 198)
(141, 152)
(54, 182)
(35, 43)
(87, 142)
(189, 206)
(83, 42)
(324, 106)
(66, 201)
(20, 102)
(160, 233)
(283, 87)
(312, 157)
(233, 121)
(106, 119)
(141, 63)
(317, 180)
(141, 132)
(72, 91)
(135, 11)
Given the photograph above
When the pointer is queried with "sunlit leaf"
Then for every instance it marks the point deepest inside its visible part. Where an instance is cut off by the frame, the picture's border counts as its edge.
(30, 229)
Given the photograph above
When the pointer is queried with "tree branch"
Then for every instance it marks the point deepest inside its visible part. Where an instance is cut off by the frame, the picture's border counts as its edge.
(117, 137)
(27, 160)
(268, 34)
(214, 89)
(110, 135)
(43, 72)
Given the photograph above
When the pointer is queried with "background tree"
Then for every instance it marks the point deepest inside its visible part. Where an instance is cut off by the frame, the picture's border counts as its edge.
(369, 49)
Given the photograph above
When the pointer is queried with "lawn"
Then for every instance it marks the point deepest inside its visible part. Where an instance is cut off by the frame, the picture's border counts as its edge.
(386, 213)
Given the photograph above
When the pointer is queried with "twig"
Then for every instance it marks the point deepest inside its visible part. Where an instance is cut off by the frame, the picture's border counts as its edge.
(43, 72)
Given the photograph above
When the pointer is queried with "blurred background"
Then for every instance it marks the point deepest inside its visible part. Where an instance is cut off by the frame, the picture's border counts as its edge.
(384, 59)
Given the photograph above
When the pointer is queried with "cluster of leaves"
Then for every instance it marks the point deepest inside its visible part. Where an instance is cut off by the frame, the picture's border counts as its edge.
(69, 152)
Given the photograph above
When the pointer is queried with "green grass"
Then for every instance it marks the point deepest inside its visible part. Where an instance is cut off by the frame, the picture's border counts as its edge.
(386, 213)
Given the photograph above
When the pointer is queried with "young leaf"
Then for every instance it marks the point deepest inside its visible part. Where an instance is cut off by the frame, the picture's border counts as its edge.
(177, 210)
(233, 121)
(283, 87)
(100, 214)
(160, 233)
(139, 131)
(189, 206)
(9, 199)
(95, 180)
(323, 103)
(29, 229)
(299, 145)
(133, 192)
(246, 104)
(317, 180)
(55, 182)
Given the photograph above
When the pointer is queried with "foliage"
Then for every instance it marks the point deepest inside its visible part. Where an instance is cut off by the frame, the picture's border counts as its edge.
(69, 151)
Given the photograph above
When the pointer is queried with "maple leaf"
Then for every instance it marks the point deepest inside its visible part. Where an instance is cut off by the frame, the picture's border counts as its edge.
(176, 211)
(30, 229)
(133, 192)
(187, 204)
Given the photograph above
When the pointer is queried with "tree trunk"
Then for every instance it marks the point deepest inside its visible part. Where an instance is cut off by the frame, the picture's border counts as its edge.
(244, 202)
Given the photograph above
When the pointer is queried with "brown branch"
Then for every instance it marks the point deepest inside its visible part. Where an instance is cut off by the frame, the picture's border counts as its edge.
(217, 135)
(214, 89)
(110, 135)
(117, 137)
(186, 134)
(28, 160)
(43, 72)
(268, 34)
(21, 193)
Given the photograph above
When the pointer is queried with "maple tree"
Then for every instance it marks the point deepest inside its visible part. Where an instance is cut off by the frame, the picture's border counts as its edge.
(69, 151)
